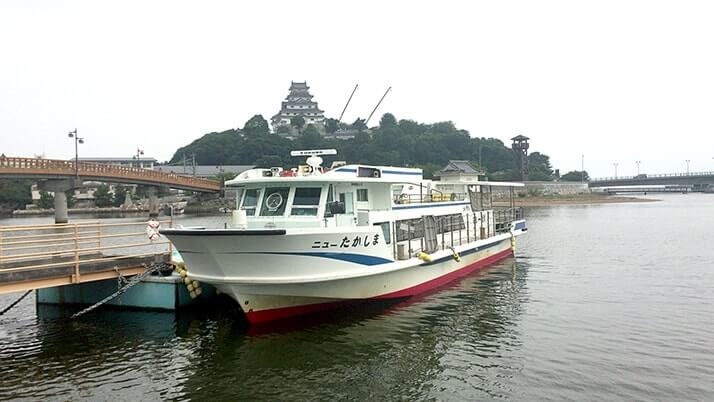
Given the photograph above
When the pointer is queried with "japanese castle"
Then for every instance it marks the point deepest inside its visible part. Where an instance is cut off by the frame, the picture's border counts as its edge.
(299, 103)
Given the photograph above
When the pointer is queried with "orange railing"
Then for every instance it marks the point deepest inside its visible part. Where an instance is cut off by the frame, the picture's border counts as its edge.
(89, 171)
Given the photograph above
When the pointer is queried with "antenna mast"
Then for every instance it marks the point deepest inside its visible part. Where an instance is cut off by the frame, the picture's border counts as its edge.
(347, 104)
(378, 103)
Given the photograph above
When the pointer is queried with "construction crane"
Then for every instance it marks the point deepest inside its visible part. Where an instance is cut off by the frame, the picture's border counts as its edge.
(378, 103)
(347, 104)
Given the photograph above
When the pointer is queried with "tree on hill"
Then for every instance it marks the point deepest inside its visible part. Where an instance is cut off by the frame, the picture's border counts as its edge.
(393, 142)
(387, 120)
(539, 168)
(268, 161)
(331, 125)
(358, 124)
(310, 138)
(575, 175)
(256, 126)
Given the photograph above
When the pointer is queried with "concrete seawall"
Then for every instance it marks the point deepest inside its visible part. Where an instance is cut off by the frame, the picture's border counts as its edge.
(537, 188)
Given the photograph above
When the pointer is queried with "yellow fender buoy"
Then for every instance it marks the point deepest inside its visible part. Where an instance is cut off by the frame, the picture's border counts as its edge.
(424, 256)
(454, 254)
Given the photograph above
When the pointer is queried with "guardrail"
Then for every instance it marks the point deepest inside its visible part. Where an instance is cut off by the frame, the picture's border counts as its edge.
(42, 253)
(653, 176)
(56, 167)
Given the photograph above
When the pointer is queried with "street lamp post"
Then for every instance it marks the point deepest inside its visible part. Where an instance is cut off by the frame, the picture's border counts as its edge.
(687, 166)
(139, 152)
(638, 167)
(615, 165)
(77, 141)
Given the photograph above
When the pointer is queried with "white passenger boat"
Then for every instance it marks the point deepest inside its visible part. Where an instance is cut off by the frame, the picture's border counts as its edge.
(311, 238)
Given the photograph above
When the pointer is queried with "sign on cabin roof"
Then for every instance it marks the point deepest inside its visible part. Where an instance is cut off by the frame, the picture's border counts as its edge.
(455, 166)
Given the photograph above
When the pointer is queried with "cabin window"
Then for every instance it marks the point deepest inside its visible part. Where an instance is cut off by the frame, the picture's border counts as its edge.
(386, 231)
(362, 195)
(274, 201)
(346, 198)
(250, 201)
(306, 201)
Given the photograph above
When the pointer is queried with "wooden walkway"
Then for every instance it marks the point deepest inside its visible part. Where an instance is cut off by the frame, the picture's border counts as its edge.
(11, 167)
(40, 256)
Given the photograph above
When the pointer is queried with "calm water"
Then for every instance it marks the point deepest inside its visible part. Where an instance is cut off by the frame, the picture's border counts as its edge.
(601, 302)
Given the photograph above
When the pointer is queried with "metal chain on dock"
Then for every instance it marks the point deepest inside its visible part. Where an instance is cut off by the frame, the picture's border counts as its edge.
(8, 308)
(133, 281)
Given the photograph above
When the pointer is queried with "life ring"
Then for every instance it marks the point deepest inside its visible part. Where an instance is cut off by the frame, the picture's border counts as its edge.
(152, 229)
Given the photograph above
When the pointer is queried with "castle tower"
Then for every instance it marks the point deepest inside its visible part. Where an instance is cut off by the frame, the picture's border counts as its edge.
(520, 150)
(299, 103)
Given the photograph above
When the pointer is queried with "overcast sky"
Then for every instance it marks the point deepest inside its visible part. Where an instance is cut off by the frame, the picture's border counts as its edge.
(616, 81)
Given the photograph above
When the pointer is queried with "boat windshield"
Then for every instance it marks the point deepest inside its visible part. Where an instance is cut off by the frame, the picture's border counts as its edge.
(274, 201)
(250, 201)
(306, 201)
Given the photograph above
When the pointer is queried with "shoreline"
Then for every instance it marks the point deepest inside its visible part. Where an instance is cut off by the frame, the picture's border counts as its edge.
(576, 199)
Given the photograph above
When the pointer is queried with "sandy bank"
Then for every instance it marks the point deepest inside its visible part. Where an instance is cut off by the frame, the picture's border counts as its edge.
(578, 199)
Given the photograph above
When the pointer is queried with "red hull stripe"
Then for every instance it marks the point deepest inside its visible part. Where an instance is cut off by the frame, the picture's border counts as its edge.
(256, 317)
(443, 280)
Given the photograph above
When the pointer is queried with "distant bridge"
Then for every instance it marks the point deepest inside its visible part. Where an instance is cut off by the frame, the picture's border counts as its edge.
(648, 189)
(60, 176)
(699, 180)
(32, 168)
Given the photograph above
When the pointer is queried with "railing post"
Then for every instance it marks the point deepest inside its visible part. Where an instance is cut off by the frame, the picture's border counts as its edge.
(441, 226)
(409, 237)
(468, 236)
(76, 255)
(451, 229)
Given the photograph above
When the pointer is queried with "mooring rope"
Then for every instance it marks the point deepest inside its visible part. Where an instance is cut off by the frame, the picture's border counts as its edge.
(15, 302)
(133, 281)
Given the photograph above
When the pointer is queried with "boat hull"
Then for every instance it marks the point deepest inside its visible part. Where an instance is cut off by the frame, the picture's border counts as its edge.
(267, 302)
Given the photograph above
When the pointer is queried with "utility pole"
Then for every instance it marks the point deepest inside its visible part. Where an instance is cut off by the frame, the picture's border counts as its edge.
(615, 165)
(687, 166)
(582, 168)
(193, 162)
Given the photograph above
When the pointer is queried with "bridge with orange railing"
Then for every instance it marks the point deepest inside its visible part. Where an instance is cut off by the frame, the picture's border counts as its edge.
(34, 168)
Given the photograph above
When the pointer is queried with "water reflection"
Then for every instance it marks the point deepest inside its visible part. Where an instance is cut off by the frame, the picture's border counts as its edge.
(414, 348)
(438, 345)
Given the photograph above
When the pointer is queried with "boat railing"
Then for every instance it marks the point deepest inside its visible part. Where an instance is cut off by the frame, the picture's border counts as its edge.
(428, 198)
(433, 233)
